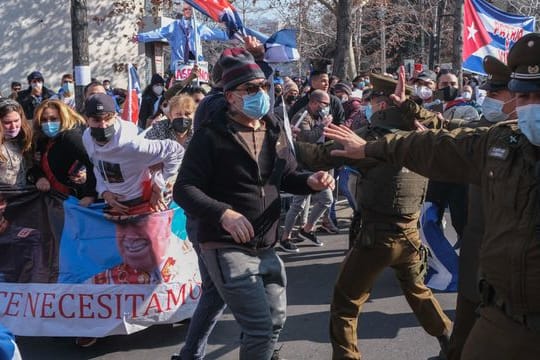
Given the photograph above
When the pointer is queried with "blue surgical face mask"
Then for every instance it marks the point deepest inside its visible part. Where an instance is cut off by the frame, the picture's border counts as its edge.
(529, 122)
(68, 87)
(492, 109)
(256, 105)
(51, 128)
(369, 112)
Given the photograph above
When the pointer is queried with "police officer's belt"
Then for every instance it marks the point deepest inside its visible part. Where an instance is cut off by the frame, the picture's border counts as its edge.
(490, 298)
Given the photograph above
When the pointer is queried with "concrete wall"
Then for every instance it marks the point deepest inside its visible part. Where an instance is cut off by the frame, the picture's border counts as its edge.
(36, 35)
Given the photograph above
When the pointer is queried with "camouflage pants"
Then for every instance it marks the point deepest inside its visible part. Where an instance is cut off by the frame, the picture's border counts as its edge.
(360, 269)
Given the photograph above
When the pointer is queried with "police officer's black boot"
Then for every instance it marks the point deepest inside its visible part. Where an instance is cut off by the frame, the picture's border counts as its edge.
(444, 341)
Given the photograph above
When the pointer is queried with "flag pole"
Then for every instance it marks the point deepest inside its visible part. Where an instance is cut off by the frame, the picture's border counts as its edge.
(196, 42)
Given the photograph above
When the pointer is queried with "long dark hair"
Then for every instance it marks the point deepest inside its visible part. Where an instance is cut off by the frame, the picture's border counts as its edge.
(25, 136)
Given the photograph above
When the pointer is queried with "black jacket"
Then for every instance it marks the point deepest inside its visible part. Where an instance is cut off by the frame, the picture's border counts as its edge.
(148, 101)
(67, 153)
(29, 103)
(336, 109)
(218, 173)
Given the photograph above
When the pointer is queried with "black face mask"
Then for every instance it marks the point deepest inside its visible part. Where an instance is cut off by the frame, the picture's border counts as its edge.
(450, 93)
(181, 124)
(102, 134)
(291, 98)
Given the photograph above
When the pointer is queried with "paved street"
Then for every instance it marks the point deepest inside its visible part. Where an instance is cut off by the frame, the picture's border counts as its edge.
(388, 329)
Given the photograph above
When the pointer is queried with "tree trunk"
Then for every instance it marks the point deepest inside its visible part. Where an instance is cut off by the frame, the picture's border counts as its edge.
(79, 43)
(457, 60)
(344, 66)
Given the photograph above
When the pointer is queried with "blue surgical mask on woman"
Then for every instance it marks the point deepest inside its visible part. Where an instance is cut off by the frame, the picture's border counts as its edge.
(256, 105)
(529, 122)
(51, 128)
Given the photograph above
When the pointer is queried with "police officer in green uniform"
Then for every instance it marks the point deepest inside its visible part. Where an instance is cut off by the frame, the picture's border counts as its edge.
(499, 105)
(389, 198)
(505, 161)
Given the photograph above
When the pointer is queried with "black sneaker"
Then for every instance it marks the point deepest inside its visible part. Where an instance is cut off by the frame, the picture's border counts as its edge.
(310, 236)
(288, 246)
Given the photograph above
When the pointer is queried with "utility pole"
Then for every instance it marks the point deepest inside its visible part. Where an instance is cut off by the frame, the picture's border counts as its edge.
(79, 43)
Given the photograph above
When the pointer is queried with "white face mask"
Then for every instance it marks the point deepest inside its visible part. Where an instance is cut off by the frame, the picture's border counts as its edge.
(37, 85)
(157, 89)
(529, 122)
(467, 95)
(423, 92)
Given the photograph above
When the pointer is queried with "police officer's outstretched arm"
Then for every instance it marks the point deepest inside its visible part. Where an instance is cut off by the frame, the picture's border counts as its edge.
(316, 157)
(456, 156)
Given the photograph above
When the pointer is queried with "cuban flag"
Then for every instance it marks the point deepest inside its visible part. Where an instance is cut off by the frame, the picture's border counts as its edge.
(443, 260)
(220, 11)
(489, 31)
(280, 47)
(130, 111)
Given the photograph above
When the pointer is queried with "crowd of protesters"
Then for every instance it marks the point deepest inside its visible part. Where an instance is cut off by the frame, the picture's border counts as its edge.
(227, 155)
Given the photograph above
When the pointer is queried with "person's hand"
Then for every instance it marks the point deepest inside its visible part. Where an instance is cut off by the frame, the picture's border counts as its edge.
(399, 97)
(327, 120)
(254, 46)
(135, 38)
(419, 126)
(78, 178)
(295, 131)
(321, 180)
(86, 201)
(157, 199)
(238, 226)
(112, 200)
(353, 145)
(195, 72)
(43, 184)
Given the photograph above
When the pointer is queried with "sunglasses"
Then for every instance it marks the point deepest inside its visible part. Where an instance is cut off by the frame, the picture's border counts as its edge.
(251, 88)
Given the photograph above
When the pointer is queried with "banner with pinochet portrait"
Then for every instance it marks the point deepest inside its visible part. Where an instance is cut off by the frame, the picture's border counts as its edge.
(66, 270)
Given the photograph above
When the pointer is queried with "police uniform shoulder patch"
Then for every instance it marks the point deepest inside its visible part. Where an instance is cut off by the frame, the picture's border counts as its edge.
(24, 233)
(498, 152)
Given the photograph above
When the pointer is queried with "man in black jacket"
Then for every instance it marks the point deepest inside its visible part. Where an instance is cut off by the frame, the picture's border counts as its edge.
(319, 81)
(230, 181)
(34, 95)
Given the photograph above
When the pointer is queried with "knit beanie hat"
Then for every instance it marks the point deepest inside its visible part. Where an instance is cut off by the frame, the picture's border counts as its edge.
(238, 66)
(289, 86)
(344, 88)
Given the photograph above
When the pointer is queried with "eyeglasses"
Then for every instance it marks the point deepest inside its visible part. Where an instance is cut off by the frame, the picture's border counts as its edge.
(186, 9)
(251, 88)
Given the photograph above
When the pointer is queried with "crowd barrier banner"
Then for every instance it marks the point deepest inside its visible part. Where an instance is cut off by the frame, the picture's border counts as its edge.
(443, 261)
(66, 270)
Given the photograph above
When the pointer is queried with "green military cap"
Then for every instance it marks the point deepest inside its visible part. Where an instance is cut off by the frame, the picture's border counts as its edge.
(524, 62)
(385, 85)
(498, 74)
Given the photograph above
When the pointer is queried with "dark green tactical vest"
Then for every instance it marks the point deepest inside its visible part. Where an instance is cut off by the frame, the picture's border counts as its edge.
(388, 189)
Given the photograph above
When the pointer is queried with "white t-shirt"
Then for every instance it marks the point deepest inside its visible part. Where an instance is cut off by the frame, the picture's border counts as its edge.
(122, 165)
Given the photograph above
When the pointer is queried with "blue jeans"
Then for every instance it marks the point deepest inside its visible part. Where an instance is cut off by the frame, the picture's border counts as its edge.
(209, 308)
(252, 283)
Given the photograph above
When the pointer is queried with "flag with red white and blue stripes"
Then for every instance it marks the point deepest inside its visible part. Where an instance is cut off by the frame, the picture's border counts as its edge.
(488, 30)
